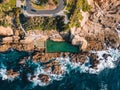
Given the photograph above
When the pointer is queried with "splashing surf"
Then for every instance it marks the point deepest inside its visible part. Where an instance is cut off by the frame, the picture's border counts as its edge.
(67, 66)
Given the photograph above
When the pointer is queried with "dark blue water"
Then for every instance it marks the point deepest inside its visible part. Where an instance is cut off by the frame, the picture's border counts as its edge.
(108, 79)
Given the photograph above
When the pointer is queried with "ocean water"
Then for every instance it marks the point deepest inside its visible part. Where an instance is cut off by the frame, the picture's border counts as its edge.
(76, 76)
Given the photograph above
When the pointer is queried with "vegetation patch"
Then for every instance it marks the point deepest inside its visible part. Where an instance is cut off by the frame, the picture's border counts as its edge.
(74, 8)
(8, 11)
(7, 5)
(42, 23)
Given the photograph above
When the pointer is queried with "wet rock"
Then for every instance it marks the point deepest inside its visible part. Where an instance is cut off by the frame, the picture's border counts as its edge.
(44, 78)
(45, 57)
(106, 56)
(56, 69)
(46, 69)
(22, 61)
(33, 77)
(78, 58)
(93, 60)
(12, 74)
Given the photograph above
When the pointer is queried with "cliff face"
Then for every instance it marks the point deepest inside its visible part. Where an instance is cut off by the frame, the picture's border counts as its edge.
(13, 39)
(98, 25)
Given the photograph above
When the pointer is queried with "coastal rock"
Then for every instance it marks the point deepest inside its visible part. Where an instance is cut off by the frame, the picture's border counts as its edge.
(6, 31)
(106, 56)
(56, 69)
(77, 40)
(78, 58)
(93, 60)
(56, 37)
(111, 38)
(98, 29)
(33, 77)
(18, 46)
(44, 78)
(45, 57)
(22, 61)
(4, 47)
(16, 39)
(97, 32)
(7, 40)
(12, 74)
(12, 39)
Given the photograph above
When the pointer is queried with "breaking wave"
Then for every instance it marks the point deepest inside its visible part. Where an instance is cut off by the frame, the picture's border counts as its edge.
(67, 67)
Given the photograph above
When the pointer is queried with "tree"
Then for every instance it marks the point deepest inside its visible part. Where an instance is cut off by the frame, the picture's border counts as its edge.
(1, 1)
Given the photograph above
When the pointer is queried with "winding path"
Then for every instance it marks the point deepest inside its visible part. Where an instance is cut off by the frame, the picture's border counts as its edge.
(30, 11)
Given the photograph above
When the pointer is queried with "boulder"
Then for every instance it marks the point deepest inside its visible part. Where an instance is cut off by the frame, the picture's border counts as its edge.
(44, 78)
(6, 31)
(7, 40)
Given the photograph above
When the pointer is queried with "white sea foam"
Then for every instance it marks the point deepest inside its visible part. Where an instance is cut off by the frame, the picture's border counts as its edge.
(114, 54)
(39, 70)
(67, 66)
(3, 71)
(56, 77)
(3, 74)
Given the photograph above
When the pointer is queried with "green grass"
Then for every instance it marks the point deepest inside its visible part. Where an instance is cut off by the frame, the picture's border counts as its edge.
(52, 46)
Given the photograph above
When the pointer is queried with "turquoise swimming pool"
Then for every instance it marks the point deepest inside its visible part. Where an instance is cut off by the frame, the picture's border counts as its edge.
(54, 46)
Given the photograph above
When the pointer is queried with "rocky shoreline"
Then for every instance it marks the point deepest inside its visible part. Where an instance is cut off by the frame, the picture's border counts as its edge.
(97, 33)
